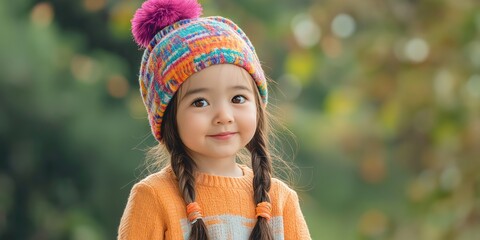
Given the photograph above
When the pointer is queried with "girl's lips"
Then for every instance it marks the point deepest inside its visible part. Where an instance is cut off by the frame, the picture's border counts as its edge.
(223, 136)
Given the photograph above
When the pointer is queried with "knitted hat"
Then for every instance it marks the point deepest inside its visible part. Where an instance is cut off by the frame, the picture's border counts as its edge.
(178, 44)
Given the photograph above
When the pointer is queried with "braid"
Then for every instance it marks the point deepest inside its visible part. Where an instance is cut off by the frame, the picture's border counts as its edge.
(183, 167)
(262, 168)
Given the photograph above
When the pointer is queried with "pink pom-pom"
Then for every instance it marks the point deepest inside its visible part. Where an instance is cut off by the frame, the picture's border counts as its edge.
(157, 14)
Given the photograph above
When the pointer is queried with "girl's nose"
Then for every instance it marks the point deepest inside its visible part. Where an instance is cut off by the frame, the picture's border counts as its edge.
(224, 115)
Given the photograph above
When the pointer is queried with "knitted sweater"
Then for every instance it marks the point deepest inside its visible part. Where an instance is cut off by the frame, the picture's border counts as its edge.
(155, 209)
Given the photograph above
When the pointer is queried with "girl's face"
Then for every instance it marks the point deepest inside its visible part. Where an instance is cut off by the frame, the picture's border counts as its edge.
(216, 112)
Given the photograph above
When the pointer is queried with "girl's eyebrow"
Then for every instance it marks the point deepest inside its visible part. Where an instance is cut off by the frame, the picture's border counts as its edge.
(241, 87)
(199, 90)
(193, 91)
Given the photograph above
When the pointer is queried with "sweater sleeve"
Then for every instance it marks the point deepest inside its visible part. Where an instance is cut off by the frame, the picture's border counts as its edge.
(142, 216)
(294, 222)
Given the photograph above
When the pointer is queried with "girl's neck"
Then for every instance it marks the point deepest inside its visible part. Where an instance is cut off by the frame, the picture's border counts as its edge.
(218, 167)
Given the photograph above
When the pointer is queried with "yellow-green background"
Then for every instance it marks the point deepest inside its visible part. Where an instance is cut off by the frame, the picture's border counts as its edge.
(383, 97)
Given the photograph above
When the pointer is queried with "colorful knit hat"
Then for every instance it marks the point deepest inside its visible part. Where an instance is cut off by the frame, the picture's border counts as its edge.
(178, 44)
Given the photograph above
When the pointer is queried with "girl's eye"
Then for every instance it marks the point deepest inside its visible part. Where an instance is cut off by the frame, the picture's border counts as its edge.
(239, 99)
(200, 103)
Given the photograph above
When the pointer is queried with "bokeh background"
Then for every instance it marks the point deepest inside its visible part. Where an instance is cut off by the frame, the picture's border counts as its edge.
(383, 97)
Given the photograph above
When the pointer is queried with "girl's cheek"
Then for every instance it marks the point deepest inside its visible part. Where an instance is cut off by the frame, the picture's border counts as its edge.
(196, 117)
(249, 115)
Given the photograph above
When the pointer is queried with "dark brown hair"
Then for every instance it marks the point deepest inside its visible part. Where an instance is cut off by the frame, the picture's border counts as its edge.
(183, 165)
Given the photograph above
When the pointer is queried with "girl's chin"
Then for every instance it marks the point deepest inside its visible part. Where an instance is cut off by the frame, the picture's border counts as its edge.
(217, 155)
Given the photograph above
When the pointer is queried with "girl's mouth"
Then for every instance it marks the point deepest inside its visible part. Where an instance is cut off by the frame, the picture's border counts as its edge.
(223, 136)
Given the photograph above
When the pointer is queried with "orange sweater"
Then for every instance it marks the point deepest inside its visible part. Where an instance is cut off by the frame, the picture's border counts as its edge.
(155, 209)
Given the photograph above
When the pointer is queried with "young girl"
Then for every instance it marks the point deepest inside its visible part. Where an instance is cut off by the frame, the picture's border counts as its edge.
(205, 93)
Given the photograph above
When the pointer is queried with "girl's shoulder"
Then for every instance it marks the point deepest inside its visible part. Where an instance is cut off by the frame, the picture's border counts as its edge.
(278, 188)
(159, 183)
(281, 188)
(164, 177)
(280, 184)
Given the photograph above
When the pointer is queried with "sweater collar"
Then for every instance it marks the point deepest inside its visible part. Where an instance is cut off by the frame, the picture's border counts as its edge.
(244, 181)
(204, 179)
